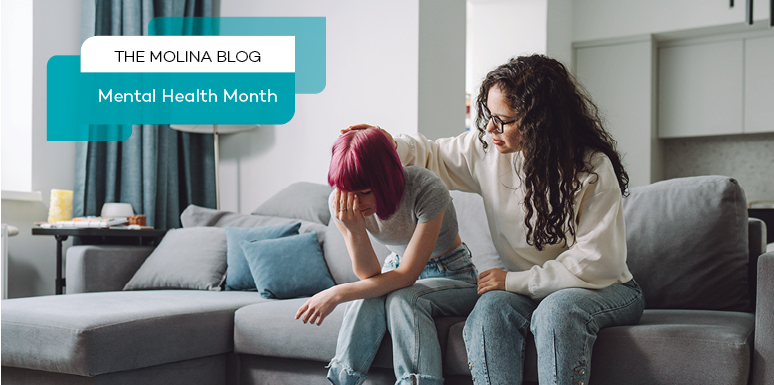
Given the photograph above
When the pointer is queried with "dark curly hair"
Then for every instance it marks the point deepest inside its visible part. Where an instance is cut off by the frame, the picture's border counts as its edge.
(558, 124)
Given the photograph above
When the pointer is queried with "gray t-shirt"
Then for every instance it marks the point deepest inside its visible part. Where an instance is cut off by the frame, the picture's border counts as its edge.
(424, 197)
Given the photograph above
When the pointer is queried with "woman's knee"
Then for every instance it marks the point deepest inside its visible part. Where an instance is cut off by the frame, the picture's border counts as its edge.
(406, 303)
(559, 312)
(499, 310)
(406, 296)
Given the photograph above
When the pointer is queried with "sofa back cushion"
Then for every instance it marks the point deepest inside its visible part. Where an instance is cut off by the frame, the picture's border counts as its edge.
(474, 230)
(687, 243)
(197, 216)
(302, 200)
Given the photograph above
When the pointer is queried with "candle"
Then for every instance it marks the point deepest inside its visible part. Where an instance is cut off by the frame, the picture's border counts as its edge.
(61, 208)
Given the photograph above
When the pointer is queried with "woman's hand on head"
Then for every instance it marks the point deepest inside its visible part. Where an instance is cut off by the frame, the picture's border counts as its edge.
(364, 126)
(315, 309)
(348, 211)
(492, 279)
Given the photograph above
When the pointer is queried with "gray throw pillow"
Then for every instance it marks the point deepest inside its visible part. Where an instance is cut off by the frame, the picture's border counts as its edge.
(196, 216)
(687, 241)
(192, 258)
(303, 200)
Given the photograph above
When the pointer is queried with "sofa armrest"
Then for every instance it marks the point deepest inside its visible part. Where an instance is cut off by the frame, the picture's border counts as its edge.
(102, 268)
(763, 354)
(756, 235)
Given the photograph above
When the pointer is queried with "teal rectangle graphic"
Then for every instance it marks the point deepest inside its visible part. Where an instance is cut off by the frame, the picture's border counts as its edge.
(77, 100)
(309, 32)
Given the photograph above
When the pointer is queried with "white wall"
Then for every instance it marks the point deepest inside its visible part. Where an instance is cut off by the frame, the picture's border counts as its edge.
(559, 31)
(441, 68)
(499, 30)
(31, 267)
(56, 31)
(620, 79)
(603, 19)
(372, 76)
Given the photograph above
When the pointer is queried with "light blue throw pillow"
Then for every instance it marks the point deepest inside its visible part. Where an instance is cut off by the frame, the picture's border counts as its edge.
(238, 275)
(288, 267)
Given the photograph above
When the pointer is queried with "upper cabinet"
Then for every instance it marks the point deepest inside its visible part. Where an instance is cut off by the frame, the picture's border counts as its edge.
(700, 89)
(759, 85)
(609, 19)
(716, 86)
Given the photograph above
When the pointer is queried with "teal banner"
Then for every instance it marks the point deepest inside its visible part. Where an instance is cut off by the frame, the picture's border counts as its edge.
(102, 106)
(76, 100)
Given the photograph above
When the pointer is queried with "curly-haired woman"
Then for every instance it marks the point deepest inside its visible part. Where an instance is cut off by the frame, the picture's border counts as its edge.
(552, 192)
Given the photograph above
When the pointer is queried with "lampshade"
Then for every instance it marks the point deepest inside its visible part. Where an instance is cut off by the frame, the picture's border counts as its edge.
(210, 128)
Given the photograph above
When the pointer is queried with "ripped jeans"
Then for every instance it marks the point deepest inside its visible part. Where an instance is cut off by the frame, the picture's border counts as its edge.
(446, 287)
(564, 324)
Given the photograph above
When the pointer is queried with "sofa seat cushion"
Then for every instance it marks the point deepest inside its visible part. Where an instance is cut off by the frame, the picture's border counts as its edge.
(677, 347)
(95, 333)
(666, 347)
(684, 346)
(270, 329)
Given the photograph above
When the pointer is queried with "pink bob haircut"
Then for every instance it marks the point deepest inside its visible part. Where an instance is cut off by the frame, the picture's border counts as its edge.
(365, 159)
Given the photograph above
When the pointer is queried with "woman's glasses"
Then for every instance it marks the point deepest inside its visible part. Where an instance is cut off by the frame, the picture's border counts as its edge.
(498, 123)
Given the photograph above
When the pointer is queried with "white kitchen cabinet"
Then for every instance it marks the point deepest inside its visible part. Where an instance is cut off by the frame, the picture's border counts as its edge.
(719, 85)
(610, 19)
(759, 85)
(620, 79)
(701, 89)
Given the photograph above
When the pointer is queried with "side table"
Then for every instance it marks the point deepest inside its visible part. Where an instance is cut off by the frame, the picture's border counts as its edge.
(61, 235)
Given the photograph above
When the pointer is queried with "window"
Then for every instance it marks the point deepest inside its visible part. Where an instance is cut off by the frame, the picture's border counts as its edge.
(16, 95)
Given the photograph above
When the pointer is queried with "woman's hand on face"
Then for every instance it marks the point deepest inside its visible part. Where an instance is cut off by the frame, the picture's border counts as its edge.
(364, 126)
(348, 211)
(492, 279)
(315, 309)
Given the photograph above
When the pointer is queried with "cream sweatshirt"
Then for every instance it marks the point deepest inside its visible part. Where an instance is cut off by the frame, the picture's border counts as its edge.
(598, 257)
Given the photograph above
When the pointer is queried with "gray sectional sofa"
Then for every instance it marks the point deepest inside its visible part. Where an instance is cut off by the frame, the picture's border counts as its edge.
(709, 315)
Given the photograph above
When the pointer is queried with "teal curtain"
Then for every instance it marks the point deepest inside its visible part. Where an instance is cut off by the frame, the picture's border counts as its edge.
(158, 170)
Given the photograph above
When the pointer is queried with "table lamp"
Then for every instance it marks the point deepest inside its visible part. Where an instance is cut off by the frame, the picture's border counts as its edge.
(215, 130)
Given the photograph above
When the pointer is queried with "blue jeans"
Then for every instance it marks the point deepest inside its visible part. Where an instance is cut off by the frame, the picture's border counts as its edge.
(446, 287)
(564, 324)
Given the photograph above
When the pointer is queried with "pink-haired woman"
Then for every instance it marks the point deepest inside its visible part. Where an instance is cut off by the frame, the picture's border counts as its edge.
(429, 273)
